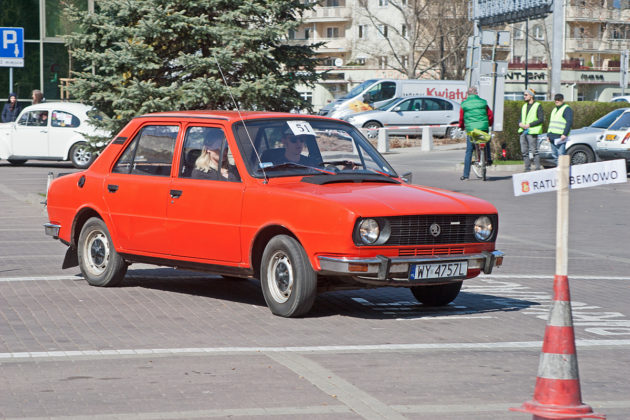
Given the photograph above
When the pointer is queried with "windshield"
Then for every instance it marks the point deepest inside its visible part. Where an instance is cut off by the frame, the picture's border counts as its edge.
(623, 123)
(606, 120)
(358, 89)
(306, 146)
(388, 104)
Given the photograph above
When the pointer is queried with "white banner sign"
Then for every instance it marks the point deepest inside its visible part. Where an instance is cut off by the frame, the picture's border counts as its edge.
(581, 176)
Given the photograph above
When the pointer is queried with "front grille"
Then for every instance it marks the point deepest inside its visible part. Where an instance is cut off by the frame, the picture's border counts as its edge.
(430, 252)
(415, 230)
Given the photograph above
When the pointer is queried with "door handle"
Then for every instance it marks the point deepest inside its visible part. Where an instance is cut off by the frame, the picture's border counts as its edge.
(176, 193)
(112, 188)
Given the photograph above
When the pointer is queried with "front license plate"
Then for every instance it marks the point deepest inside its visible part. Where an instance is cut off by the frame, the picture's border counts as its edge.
(449, 270)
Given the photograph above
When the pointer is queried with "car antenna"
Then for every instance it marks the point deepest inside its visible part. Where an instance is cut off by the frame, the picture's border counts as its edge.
(241, 117)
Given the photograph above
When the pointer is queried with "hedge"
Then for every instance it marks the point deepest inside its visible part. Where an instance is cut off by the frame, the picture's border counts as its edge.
(584, 114)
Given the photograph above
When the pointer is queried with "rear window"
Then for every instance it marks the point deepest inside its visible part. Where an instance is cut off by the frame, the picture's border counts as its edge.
(623, 123)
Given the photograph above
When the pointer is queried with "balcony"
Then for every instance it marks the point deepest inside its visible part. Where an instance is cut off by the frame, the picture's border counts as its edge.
(328, 14)
(608, 45)
(596, 14)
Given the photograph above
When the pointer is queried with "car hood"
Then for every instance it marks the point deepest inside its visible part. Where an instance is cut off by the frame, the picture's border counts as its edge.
(384, 199)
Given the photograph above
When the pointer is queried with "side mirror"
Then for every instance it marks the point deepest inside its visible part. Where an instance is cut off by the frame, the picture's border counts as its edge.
(396, 109)
(406, 177)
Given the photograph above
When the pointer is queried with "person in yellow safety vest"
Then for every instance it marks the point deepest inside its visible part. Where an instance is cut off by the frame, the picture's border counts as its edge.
(530, 125)
(559, 126)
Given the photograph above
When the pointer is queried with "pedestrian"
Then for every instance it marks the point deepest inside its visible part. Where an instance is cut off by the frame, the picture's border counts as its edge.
(474, 113)
(530, 126)
(11, 109)
(38, 96)
(560, 124)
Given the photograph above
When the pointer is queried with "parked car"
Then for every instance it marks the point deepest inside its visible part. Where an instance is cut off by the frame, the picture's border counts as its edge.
(615, 142)
(49, 131)
(303, 203)
(620, 99)
(581, 143)
(411, 111)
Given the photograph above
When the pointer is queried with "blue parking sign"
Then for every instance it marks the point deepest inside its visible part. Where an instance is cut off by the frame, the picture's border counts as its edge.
(11, 47)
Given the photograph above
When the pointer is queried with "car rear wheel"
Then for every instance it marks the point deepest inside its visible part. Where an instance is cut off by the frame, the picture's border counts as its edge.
(17, 162)
(289, 283)
(438, 294)
(80, 156)
(581, 154)
(99, 262)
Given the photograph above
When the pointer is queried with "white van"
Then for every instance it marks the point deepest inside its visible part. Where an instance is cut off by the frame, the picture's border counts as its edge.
(375, 92)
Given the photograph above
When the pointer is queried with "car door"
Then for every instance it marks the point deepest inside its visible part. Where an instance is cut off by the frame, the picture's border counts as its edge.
(63, 124)
(204, 213)
(404, 113)
(137, 190)
(30, 138)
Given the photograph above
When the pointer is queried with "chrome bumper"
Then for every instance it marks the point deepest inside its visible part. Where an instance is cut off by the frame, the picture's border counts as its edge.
(52, 230)
(383, 268)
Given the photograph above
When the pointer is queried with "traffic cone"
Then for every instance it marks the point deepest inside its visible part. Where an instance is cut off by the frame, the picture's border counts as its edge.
(557, 393)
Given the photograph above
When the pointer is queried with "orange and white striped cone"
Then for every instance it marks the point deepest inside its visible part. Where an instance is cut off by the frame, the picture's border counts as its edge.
(557, 393)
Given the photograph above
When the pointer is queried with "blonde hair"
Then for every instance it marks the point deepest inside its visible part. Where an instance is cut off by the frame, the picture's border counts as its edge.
(204, 162)
(38, 96)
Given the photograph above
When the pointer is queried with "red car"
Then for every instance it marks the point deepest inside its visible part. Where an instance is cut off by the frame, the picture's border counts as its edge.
(303, 203)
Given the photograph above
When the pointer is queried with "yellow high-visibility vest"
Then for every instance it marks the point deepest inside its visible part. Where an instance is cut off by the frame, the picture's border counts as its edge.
(557, 123)
(530, 117)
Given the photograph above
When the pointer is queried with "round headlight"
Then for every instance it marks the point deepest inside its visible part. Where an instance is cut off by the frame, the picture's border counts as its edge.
(483, 228)
(369, 231)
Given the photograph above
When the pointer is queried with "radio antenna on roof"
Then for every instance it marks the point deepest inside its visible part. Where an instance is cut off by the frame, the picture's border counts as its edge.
(241, 117)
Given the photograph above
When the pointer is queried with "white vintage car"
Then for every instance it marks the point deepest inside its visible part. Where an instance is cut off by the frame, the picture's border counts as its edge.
(49, 131)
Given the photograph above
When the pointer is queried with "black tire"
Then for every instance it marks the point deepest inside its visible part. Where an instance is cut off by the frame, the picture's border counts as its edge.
(438, 294)
(580, 154)
(482, 163)
(99, 262)
(372, 126)
(289, 283)
(449, 132)
(80, 156)
(16, 162)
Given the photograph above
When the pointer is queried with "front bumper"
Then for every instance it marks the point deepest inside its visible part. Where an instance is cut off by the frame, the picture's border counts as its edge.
(381, 269)
(610, 154)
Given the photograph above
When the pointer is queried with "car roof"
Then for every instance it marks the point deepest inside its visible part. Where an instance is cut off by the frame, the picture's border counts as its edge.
(60, 106)
(230, 116)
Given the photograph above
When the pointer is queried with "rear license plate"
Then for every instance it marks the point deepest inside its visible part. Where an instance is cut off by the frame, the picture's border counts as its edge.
(610, 137)
(448, 270)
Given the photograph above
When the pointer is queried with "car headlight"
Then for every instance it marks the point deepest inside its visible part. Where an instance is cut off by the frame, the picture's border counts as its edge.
(369, 231)
(545, 145)
(483, 228)
(372, 231)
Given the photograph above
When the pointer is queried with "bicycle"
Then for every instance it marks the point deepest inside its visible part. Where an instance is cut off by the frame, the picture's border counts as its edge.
(480, 139)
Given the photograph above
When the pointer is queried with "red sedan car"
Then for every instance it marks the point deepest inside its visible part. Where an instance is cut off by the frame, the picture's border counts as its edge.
(303, 203)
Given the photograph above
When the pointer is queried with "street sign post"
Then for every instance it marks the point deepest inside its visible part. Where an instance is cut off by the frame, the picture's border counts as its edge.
(11, 47)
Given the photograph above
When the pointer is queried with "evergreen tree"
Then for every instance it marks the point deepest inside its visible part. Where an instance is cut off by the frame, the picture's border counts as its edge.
(137, 56)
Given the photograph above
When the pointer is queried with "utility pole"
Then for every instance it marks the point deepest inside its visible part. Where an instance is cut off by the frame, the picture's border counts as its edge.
(557, 46)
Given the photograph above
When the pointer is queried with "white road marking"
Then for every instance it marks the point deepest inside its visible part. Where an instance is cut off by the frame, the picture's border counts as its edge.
(498, 346)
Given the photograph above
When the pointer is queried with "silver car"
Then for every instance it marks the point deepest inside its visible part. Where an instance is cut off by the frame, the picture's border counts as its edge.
(582, 142)
(410, 111)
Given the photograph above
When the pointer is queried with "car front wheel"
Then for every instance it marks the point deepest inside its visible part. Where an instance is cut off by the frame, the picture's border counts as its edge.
(373, 127)
(100, 264)
(581, 154)
(80, 156)
(288, 281)
(438, 294)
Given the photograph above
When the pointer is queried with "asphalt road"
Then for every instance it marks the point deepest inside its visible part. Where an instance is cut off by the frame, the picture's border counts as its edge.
(172, 344)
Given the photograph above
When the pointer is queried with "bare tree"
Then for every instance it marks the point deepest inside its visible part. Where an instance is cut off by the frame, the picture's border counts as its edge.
(420, 36)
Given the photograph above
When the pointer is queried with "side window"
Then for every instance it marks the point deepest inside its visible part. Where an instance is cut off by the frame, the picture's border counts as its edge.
(64, 119)
(382, 91)
(150, 152)
(206, 155)
(432, 105)
(34, 119)
(445, 105)
(407, 105)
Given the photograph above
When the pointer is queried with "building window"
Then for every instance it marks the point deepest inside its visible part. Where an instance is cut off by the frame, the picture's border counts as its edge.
(361, 61)
(405, 61)
(383, 3)
(291, 34)
(363, 31)
(382, 31)
(538, 32)
(307, 96)
(403, 31)
(332, 32)
(382, 62)
(307, 33)
(517, 31)
(332, 3)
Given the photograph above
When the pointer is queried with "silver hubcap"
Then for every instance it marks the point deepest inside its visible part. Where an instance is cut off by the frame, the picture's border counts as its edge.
(96, 251)
(578, 158)
(82, 155)
(280, 277)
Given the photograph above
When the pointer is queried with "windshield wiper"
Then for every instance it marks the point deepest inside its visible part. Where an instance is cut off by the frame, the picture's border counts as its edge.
(286, 165)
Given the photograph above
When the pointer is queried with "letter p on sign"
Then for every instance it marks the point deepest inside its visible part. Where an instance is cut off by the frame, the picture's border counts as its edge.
(8, 37)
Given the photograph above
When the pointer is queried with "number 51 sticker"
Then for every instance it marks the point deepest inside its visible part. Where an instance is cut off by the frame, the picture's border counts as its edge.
(300, 127)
